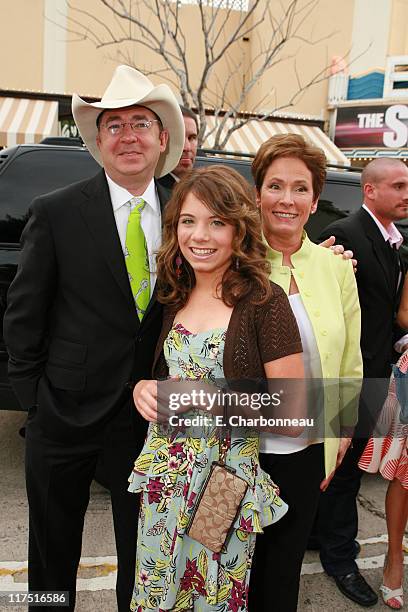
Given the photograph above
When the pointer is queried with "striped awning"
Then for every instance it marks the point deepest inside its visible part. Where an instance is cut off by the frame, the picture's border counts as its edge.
(251, 135)
(24, 120)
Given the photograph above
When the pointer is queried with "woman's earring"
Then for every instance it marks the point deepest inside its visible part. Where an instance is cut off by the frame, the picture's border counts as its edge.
(179, 263)
(237, 264)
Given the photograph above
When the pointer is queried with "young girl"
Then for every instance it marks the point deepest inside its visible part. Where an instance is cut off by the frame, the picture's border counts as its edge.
(223, 319)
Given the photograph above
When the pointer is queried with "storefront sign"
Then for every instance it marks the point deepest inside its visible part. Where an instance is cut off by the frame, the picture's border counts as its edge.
(372, 126)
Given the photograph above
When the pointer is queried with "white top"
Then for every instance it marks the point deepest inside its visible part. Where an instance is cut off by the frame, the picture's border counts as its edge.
(150, 220)
(281, 445)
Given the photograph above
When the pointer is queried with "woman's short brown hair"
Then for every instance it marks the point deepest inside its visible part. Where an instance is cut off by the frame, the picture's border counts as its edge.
(228, 195)
(290, 145)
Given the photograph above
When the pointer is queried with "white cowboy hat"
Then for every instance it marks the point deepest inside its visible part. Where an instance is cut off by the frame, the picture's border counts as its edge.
(130, 87)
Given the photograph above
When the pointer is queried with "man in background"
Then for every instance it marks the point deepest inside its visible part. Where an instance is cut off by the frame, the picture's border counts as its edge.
(371, 234)
(189, 154)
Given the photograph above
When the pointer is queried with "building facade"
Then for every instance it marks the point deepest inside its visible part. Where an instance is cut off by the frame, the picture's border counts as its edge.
(57, 47)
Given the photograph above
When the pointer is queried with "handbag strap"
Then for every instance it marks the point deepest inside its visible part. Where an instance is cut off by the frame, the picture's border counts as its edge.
(225, 440)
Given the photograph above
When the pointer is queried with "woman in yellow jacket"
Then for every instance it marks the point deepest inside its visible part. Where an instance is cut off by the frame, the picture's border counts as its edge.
(289, 175)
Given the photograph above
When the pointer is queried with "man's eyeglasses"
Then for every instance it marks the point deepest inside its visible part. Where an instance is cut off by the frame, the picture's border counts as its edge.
(138, 127)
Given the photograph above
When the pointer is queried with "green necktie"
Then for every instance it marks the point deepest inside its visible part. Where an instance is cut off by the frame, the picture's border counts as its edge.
(137, 257)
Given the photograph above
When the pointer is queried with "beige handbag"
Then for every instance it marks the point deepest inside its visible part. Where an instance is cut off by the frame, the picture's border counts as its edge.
(217, 505)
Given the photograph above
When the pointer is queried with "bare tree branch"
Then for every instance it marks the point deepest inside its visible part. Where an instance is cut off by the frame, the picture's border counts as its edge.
(218, 29)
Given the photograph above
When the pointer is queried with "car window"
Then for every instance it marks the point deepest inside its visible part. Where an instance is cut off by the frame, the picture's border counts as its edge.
(240, 165)
(34, 173)
(343, 195)
(338, 200)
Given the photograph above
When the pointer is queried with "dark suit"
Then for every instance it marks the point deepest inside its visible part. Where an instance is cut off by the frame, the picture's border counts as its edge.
(76, 347)
(378, 274)
(168, 181)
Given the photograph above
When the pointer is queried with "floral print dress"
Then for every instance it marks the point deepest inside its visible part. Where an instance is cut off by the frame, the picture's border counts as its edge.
(173, 571)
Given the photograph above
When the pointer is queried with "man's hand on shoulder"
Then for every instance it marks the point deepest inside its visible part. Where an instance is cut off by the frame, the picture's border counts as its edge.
(338, 249)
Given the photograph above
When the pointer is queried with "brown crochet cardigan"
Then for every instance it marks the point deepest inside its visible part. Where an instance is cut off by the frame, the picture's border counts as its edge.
(256, 334)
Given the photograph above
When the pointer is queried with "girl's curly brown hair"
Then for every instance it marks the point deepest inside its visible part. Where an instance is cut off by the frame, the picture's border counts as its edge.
(228, 195)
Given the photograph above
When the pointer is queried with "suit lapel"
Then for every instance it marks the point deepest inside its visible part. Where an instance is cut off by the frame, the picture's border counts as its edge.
(169, 314)
(378, 245)
(164, 196)
(97, 212)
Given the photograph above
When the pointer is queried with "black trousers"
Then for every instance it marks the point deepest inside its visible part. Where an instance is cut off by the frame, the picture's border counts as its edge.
(58, 479)
(336, 524)
(337, 518)
(280, 549)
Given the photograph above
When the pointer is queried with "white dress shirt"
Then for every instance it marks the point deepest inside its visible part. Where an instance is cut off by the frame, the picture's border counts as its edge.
(393, 236)
(150, 220)
(390, 234)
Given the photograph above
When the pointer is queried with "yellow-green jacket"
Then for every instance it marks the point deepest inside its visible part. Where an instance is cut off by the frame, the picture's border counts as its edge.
(328, 289)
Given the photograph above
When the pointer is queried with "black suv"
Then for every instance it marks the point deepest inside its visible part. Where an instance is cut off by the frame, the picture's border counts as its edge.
(27, 171)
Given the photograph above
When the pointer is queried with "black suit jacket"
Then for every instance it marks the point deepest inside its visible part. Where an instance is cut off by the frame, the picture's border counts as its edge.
(168, 181)
(379, 298)
(71, 327)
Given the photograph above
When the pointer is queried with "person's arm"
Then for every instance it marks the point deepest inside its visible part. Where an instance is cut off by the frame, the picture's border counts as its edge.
(290, 367)
(287, 374)
(29, 300)
(157, 400)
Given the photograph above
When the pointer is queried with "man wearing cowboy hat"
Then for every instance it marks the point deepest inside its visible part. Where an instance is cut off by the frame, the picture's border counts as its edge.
(81, 325)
